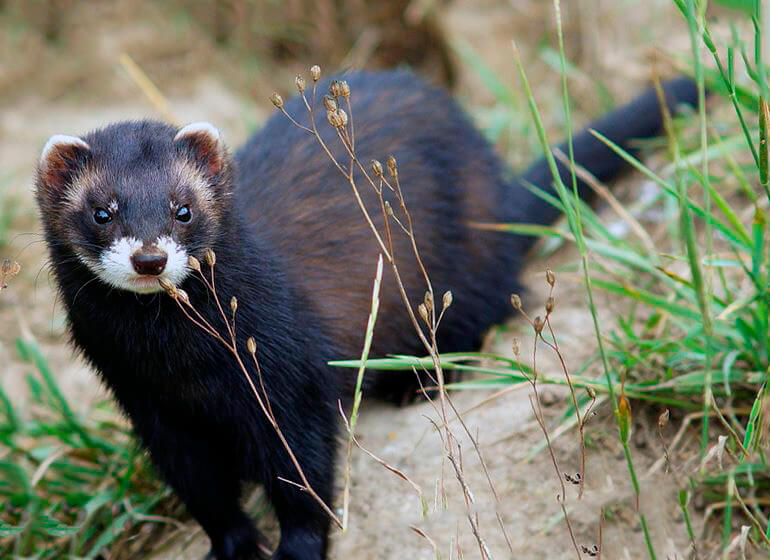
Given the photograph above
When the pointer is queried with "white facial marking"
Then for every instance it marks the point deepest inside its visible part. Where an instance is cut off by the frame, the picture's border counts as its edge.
(114, 266)
(113, 206)
(176, 265)
(199, 128)
(61, 140)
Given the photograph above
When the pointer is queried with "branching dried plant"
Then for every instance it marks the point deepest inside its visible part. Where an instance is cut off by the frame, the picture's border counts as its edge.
(339, 114)
(538, 324)
(230, 342)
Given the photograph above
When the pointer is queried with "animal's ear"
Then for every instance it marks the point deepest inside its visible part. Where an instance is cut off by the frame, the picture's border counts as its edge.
(62, 158)
(202, 142)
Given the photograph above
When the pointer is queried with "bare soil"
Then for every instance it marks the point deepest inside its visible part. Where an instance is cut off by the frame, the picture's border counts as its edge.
(614, 39)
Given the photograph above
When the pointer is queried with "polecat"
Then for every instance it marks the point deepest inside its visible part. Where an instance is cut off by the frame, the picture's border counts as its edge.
(125, 206)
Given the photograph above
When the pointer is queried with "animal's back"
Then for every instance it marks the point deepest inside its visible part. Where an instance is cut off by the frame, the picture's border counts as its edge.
(449, 176)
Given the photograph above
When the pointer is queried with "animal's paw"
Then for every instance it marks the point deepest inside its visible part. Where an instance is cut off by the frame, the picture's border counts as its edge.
(239, 543)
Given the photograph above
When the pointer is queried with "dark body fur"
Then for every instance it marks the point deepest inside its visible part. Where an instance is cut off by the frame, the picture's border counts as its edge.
(292, 245)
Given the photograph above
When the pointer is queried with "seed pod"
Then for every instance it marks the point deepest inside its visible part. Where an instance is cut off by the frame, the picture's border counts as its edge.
(333, 119)
(194, 263)
(447, 300)
(181, 294)
(549, 305)
(423, 311)
(251, 345)
(210, 256)
(392, 166)
(377, 168)
(277, 100)
(234, 304)
(591, 392)
(345, 89)
(168, 286)
(337, 118)
(428, 299)
(663, 419)
(10, 268)
(335, 89)
(315, 72)
(550, 277)
(516, 302)
(388, 208)
(299, 81)
(624, 418)
(538, 324)
(329, 103)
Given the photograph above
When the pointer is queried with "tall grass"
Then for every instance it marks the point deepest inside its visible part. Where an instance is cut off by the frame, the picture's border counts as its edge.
(71, 487)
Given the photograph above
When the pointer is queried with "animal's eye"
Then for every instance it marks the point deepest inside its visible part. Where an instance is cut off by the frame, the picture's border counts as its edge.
(102, 216)
(183, 214)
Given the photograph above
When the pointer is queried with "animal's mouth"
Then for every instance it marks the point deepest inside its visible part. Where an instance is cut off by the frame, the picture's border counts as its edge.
(145, 283)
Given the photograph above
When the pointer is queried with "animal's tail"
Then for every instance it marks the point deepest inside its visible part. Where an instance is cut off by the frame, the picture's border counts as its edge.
(641, 118)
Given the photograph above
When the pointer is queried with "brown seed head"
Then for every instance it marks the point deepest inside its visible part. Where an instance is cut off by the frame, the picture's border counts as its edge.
(333, 119)
(663, 419)
(194, 263)
(299, 81)
(447, 300)
(388, 208)
(538, 324)
(8, 270)
(168, 286)
(591, 392)
(251, 345)
(277, 100)
(549, 305)
(392, 165)
(329, 103)
(516, 302)
(233, 304)
(428, 299)
(337, 118)
(181, 294)
(423, 311)
(335, 89)
(315, 72)
(210, 256)
(344, 88)
(550, 277)
(377, 168)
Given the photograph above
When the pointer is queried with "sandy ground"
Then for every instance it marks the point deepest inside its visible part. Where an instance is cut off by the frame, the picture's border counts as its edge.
(384, 508)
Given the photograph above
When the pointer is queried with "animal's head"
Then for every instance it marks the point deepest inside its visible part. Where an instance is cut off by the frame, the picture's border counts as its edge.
(133, 200)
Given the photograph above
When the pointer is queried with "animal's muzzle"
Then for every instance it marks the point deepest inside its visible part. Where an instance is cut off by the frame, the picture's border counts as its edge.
(149, 261)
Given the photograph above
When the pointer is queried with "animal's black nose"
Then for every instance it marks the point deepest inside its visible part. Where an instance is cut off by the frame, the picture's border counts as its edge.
(149, 261)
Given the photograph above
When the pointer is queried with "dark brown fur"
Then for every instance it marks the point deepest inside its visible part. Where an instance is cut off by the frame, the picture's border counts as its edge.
(294, 248)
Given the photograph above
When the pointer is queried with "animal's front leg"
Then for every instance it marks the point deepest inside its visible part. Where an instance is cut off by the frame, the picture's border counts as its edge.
(304, 523)
(202, 472)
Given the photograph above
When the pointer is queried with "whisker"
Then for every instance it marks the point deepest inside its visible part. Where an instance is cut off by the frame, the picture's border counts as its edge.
(81, 289)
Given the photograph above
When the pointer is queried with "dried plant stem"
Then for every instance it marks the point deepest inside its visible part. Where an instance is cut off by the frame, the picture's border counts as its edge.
(231, 344)
(149, 89)
(377, 181)
(351, 426)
